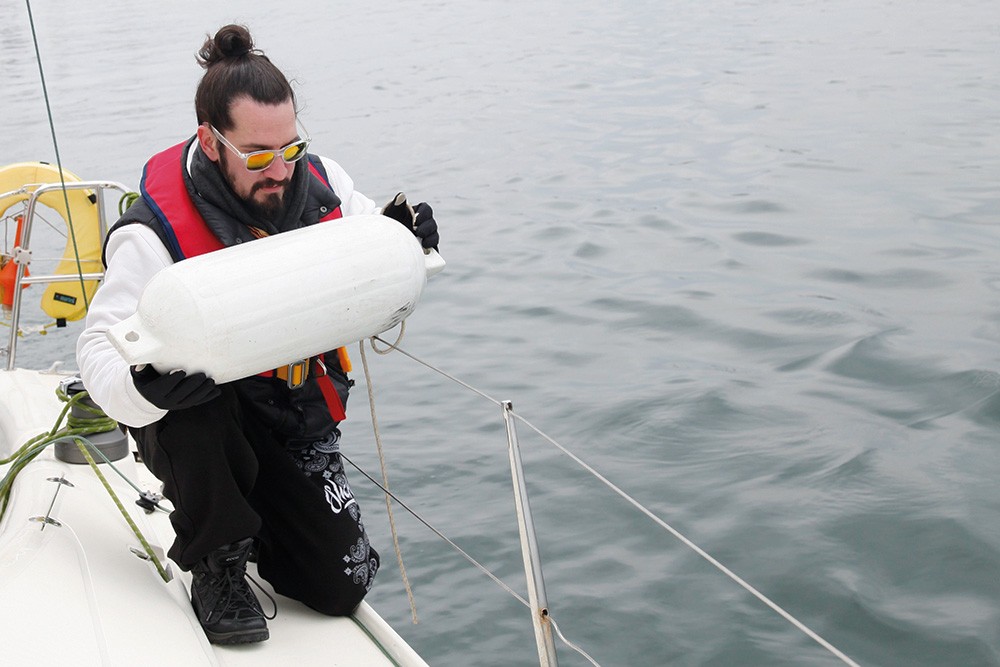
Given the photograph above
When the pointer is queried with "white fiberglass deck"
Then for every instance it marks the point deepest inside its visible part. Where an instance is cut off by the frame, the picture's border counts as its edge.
(76, 594)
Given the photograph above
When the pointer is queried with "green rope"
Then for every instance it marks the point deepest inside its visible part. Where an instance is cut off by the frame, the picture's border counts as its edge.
(126, 201)
(83, 443)
(75, 429)
(27, 452)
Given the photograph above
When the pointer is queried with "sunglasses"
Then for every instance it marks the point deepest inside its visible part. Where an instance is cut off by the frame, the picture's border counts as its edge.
(261, 160)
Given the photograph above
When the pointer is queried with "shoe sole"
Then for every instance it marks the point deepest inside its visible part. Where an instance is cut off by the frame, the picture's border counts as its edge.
(241, 637)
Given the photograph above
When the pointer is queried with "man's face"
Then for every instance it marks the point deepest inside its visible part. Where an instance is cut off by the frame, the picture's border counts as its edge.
(256, 127)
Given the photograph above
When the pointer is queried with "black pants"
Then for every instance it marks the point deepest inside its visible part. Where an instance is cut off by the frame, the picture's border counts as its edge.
(228, 479)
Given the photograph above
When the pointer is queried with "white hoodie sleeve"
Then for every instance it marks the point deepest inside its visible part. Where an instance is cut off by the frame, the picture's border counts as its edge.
(352, 202)
(134, 254)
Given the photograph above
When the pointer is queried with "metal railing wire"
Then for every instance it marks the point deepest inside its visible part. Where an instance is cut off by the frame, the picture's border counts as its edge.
(833, 650)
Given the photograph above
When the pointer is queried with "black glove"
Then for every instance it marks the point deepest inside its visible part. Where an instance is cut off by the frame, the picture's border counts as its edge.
(425, 227)
(419, 220)
(399, 210)
(175, 390)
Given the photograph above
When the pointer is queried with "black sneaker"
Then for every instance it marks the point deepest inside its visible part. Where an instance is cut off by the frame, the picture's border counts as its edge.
(226, 607)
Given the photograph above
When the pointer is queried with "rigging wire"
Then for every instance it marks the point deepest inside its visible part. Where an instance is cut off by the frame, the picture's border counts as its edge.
(55, 146)
(472, 561)
(388, 495)
(660, 522)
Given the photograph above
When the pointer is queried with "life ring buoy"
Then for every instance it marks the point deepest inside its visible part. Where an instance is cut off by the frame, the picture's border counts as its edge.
(8, 271)
(64, 300)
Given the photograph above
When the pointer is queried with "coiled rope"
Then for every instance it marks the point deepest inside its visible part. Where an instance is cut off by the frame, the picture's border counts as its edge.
(617, 490)
(35, 446)
(76, 430)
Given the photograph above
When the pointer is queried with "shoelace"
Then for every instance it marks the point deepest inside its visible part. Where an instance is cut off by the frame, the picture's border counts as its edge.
(239, 590)
(270, 597)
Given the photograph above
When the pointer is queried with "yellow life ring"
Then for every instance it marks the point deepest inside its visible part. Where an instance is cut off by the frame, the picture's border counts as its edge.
(62, 300)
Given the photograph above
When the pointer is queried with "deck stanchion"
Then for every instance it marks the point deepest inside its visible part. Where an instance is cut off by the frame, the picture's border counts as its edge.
(23, 254)
(529, 548)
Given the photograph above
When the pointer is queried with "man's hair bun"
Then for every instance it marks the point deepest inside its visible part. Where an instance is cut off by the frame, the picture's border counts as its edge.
(231, 41)
(235, 69)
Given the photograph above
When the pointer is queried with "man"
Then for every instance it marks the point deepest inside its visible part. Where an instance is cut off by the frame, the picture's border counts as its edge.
(253, 464)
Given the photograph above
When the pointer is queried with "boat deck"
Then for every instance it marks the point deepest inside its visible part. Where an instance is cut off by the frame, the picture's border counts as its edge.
(76, 593)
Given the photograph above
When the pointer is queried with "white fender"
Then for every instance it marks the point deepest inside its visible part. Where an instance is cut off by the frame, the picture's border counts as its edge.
(249, 308)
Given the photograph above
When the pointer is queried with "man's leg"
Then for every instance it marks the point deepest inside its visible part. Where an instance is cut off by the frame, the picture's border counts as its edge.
(314, 547)
(208, 468)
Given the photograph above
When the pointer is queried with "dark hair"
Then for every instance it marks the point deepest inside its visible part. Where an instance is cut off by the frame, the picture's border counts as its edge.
(234, 68)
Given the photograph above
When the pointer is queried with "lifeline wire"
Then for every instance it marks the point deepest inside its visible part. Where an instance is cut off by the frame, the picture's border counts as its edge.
(388, 494)
(663, 524)
(55, 146)
(472, 561)
(497, 580)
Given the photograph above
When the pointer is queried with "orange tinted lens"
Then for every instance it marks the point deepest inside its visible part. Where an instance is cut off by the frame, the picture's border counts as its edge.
(294, 152)
(258, 161)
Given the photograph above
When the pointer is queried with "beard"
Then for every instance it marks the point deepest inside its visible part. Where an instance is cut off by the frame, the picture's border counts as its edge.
(273, 206)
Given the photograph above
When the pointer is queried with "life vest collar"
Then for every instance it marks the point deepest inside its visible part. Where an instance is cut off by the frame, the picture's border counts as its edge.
(185, 231)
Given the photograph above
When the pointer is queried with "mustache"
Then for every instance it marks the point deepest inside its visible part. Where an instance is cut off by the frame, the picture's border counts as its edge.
(269, 183)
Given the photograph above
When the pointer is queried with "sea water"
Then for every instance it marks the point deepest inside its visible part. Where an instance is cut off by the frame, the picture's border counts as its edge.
(738, 256)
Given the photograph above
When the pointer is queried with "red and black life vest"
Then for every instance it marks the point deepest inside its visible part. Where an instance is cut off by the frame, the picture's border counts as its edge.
(186, 234)
(184, 228)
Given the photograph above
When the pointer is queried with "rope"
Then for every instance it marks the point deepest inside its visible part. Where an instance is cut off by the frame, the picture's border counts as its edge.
(75, 430)
(41, 330)
(148, 499)
(126, 201)
(33, 447)
(479, 566)
(82, 444)
(663, 524)
(385, 484)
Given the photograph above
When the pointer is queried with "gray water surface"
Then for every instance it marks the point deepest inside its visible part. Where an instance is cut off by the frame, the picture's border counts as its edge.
(739, 256)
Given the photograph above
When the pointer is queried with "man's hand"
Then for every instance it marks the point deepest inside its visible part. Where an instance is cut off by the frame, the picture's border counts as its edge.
(419, 219)
(175, 390)
(425, 227)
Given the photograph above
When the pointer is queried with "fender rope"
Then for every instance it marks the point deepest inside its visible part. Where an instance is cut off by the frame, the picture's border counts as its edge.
(385, 479)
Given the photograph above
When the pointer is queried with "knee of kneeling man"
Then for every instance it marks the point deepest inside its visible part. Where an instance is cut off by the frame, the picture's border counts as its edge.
(340, 593)
(338, 603)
